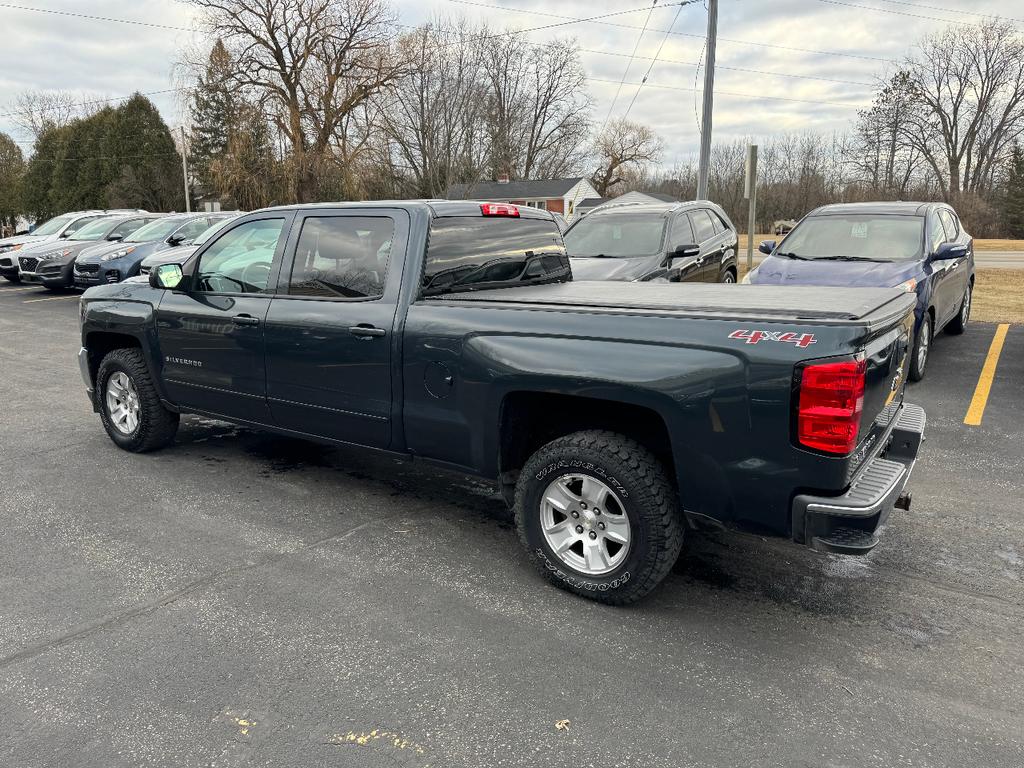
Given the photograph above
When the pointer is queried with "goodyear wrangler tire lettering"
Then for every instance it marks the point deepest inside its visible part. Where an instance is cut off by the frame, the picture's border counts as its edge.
(645, 510)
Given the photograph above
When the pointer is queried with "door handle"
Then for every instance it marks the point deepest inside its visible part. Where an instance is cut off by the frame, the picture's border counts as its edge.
(366, 331)
(245, 320)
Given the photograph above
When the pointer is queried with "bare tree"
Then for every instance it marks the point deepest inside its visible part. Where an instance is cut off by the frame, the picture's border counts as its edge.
(621, 147)
(35, 111)
(313, 64)
(538, 111)
(434, 117)
(965, 102)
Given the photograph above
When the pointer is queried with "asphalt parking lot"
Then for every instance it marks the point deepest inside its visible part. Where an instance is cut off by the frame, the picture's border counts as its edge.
(243, 599)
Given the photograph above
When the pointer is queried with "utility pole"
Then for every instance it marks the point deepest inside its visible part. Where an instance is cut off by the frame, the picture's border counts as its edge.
(709, 101)
(184, 172)
(750, 188)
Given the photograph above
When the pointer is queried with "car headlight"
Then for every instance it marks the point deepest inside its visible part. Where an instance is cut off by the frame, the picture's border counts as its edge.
(908, 285)
(6, 248)
(55, 255)
(746, 277)
(116, 254)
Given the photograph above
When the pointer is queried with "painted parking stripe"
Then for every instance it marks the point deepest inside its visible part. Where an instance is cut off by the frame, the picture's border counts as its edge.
(988, 375)
(28, 288)
(51, 298)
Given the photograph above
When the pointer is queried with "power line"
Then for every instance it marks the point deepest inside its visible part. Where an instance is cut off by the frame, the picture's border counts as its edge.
(739, 95)
(679, 34)
(898, 13)
(653, 61)
(87, 103)
(945, 9)
(629, 63)
(16, 7)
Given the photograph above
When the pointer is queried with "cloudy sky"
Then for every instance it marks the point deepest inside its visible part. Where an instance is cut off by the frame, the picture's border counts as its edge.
(782, 64)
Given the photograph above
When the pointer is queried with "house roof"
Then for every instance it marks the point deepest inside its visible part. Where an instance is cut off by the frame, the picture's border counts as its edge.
(637, 195)
(592, 202)
(513, 190)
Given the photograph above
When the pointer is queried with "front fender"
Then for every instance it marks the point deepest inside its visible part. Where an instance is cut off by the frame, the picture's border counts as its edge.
(120, 320)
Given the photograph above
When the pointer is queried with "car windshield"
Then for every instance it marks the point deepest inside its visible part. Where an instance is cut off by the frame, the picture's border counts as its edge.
(206, 234)
(53, 226)
(156, 230)
(619, 235)
(856, 236)
(94, 230)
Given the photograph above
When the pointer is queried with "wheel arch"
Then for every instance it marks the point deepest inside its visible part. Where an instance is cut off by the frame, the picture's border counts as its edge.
(531, 419)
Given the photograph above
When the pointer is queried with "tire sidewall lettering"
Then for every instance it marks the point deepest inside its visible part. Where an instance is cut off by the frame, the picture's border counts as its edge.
(586, 466)
(579, 583)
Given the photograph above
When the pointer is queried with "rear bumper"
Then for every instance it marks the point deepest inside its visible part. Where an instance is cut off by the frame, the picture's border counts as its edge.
(850, 524)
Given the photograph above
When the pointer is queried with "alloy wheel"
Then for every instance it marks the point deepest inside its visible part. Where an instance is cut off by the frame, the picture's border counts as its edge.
(585, 524)
(122, 403)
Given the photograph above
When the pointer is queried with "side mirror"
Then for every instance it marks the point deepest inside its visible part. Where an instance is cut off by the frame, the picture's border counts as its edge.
(175, 240)
(65, 234)
(166, 276)
(115, 238)
(686, 251)
(949, 251)
(766, 246)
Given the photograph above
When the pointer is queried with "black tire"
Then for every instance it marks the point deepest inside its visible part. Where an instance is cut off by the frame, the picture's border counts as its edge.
(156, 425)
(53, 288)
(919, 362)
(958, 324)
(647, 500)
(728, 275)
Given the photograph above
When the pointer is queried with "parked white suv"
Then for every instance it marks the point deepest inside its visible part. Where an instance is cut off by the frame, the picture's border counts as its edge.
(56, 228)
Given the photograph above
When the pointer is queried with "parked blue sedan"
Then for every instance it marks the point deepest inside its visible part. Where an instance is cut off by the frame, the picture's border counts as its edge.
(920, 247)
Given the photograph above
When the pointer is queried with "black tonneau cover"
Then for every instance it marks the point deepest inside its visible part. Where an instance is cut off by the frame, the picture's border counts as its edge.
(870, 306)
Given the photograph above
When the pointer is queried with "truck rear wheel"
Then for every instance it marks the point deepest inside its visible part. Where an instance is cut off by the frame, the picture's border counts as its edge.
(130, 408)
(598, 516)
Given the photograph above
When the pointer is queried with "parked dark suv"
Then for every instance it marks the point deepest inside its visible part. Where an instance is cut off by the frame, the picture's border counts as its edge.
(674, 242)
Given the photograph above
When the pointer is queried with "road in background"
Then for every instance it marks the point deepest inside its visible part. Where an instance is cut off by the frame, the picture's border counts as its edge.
(245, 599)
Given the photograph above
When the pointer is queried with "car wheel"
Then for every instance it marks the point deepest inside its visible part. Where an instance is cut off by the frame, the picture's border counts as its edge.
(922, 348)
(130, 408)
(598, 516)
(728, 276)
(957, 325)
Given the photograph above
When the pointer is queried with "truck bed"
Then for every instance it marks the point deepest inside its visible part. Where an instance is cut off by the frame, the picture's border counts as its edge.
(829, 306)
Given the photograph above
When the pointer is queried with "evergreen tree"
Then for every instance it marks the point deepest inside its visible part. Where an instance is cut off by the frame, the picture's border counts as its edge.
(38, 181)
(215, 114)
(1013, 199)
(139, 146)
(12, 167)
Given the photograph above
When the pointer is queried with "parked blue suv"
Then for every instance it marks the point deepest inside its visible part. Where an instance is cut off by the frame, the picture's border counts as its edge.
(114, 262)
(920, 247)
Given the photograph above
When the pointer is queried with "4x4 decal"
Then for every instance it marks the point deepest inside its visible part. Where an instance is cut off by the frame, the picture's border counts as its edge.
(802, 340)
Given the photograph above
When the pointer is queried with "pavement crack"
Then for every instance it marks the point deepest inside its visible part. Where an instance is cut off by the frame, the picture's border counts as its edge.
(163, 601)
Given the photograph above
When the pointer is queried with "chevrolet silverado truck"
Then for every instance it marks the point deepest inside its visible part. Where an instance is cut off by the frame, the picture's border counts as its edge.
(614, 417)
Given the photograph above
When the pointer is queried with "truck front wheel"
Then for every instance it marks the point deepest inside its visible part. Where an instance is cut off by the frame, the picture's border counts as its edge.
(130, 408)
(598, 516)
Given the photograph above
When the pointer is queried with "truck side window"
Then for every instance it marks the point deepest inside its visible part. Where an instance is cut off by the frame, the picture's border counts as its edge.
(239, 260)
(342, 257)
(703, 229)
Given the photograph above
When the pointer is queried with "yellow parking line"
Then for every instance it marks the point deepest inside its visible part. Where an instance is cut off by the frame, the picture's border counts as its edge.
(988, 375)
(26, 288)
(51, 298)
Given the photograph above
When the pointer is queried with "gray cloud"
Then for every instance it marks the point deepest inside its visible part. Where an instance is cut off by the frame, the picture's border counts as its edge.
(106, 59)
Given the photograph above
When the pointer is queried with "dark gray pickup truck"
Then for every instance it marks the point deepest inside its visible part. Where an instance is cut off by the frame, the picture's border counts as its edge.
(614, 416)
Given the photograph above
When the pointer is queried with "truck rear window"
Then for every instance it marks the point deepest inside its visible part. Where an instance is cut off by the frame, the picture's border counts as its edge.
(475, 252)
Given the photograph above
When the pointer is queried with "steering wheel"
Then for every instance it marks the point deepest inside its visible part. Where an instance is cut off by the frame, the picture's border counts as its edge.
(256, 274)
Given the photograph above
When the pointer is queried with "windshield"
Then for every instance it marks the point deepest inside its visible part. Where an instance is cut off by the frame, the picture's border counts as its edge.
(93, 231)
(473, 252)
(156, 230)
(53, 226)
(619, 236)
(856, 236)
(206, 234)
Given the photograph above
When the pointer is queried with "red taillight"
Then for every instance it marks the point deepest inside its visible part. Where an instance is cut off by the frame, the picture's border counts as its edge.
(498, 209)
(831, 401)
